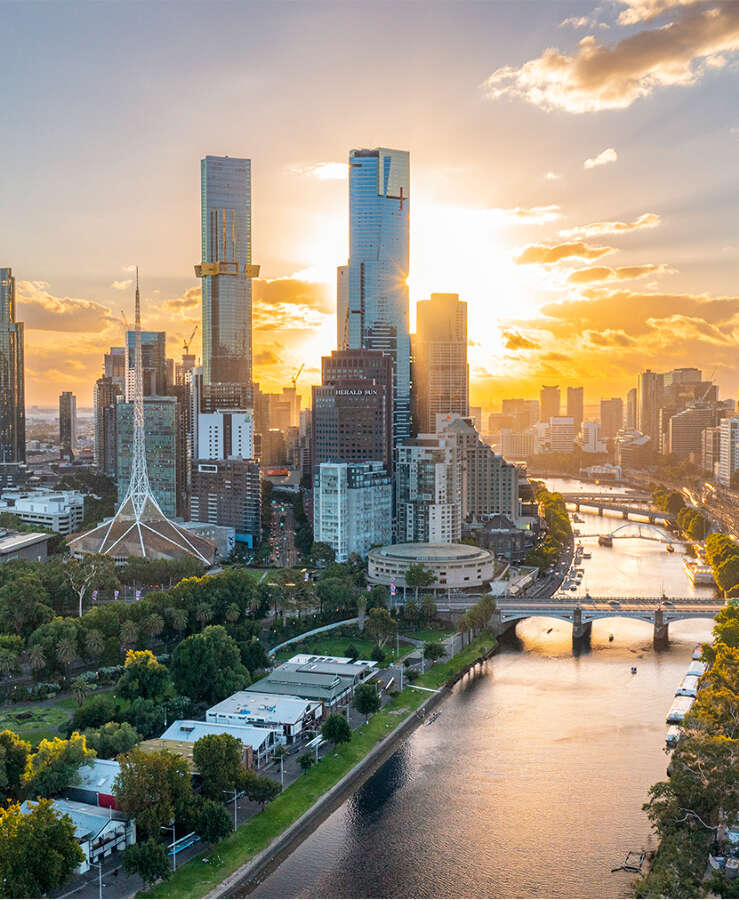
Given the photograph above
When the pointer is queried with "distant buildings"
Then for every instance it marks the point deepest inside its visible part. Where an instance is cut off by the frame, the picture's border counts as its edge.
(562, 434)
(591, 438)
(575, 406)
(611, 417)
(729, 452)
(153, 360)
(516, 445)
(12, 396)
(429, 485)
(549, 402)
(352, 507)
(116, 367)
(67, 424)
(375, 302)
(225, 433)
(440, 370)
(711, 449)
(686, 429)
(107, 391)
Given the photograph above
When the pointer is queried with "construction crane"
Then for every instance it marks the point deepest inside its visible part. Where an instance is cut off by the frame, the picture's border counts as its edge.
(295, 377)
(186, 344)
(125, 321)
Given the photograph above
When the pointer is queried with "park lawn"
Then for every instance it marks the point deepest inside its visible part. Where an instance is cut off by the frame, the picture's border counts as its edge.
(328, 645)
(43, 721)
(429, 634)
(196, 878)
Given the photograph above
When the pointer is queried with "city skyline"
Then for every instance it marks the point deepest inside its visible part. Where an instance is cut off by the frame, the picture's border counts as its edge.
(596, 240)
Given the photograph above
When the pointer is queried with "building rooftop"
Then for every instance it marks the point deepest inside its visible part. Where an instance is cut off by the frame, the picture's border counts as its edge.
(12, 541)
(88, 820)
(189, 731)
(276, 708)
(435, 553)
(289, 679)
(99, 776)
(330, 665)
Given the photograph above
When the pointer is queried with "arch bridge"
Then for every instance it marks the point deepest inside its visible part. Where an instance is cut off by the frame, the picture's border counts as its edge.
(644, 532)
(606, 504)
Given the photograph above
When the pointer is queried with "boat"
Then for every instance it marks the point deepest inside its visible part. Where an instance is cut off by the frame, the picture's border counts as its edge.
(698, 651)
(697, 668)
(587, 555)
(605, 540)
(669, 548)
(698, 572)
(633, 670)
(679, 709)
(688, 687)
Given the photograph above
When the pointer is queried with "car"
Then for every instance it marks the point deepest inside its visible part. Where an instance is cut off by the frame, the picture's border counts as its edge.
(614, 603)
(667, 603)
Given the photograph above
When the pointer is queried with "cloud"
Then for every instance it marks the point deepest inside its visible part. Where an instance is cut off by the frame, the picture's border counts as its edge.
(552, 176)
(192, 297)
(122, 285)
(609, 338)
(292, 291)
(513, 340)
(39, 309)
(644, 10)
(542, 253)
(266, 357)
(577, 22)
(599, 76)
(606, 156)
(324, 171)
(646, 220)
(619, 273)
(532, 215)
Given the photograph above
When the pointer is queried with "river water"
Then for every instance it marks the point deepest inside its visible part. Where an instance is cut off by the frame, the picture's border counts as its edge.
(531, 781)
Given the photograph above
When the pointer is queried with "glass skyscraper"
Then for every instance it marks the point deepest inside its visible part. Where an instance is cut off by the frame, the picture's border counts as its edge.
(226, 269)
(375, 302)
(12, 399)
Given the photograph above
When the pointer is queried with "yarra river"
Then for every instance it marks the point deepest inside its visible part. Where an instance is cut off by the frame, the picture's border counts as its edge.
(531, 781)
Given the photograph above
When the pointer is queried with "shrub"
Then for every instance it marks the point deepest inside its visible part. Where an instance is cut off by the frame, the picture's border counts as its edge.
(378, 654)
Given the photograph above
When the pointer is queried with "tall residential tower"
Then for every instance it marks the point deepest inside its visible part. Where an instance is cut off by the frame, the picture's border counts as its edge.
(12, 400)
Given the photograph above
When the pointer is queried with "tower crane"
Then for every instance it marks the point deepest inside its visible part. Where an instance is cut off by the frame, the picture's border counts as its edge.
(186, 344)
(295, 377)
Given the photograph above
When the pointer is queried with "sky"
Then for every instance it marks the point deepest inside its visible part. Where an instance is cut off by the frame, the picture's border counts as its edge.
(573, 176)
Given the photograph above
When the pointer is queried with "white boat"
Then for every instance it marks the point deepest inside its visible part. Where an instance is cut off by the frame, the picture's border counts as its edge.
(698, 572)
(689, 687)
(587, 555)
(673, 734)
(698, 652)
(679, 709)
(696, 668)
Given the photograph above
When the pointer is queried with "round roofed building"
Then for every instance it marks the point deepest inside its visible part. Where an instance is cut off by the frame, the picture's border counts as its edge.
(454, 566)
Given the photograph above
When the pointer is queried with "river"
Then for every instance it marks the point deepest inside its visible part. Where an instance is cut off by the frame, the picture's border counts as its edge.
(531, 781)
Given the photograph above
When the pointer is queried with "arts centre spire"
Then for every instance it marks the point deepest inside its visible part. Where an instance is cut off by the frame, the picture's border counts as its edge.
(140, 528)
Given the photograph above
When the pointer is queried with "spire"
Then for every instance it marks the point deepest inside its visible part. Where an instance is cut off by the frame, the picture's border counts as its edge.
(138, 489)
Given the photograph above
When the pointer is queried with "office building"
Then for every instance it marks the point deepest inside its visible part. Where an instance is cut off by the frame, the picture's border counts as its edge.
(153, 361)
(352, 507)
(226, 269)
(549, 402)
(576, 406)
(516, 445)
(631, 409)
(429, 485)
(67, 424)
(686, 429)
(12, 397)
(378, 266)
(105, 398)
(524, 412)
(711, 449)
(225, 433)
(489, 483)
(611, 417)
(648, 401)
(116, 367)
(729, 454)
(561, 434)
(59, 511)
(226, 492)
(591, 438)
(440, 372)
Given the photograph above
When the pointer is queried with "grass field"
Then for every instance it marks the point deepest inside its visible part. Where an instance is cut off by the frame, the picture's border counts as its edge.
(33, 722)
(429, 634)
(326, 645)
(196, 878)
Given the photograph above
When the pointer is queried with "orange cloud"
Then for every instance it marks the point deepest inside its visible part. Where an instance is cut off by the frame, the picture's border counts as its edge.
(598, 76)
(644, 10)
(606, 156)
(646, 220)
(513, 340)
(543, 253)
(38, 309)
(619, 273)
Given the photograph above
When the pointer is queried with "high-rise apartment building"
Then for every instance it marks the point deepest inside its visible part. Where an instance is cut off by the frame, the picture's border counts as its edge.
(611, 417)
(116, 366)
(12, 397)
(686, 429)
(67, 424)
(226, 433)
(576, 406)
(153, 362)
(516, 445)
(377, 306)
(549, 402)
(352, 507)
(440, 372)
(429, 490)
(631, 409)
(711, 449)
(227, 492)
(591, 438)
(226, 269)
(525, 412)
(729, 454)
(648, 401)
(106, 396)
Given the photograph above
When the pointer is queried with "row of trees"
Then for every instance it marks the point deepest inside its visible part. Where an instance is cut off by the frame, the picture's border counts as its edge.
(559, 530)
(701, 796)
(722, 554)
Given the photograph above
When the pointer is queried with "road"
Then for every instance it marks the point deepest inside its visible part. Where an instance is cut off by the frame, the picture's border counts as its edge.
(283, 552)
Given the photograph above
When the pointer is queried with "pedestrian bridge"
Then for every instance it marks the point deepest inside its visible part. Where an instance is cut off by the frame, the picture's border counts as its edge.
(583, 611)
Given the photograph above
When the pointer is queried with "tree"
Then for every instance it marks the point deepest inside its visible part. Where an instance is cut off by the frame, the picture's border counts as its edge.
(112, 739)
(366, 699)
(306, 760)
(429, 609)
(66, 652)
(143, 676)
(94, 643)
(336, 730)
(212, 822)
(148, 860)
(94, 571)
(433, 650)
(322, 553)
(260, 789)
(351, 652)
(38, 850)
(14, 754)
(37, 659)
(378, 654)
(208, 667)
(146, 716)
(95, 711)
(55, 765)
(217, 757)
(154, 788)
(81, 690)
(418, 576)
(380, 625)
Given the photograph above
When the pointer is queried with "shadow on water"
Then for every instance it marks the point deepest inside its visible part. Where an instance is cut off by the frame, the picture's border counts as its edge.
(367, 802)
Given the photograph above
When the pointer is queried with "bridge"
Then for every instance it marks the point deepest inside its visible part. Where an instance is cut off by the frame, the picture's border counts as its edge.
(583, 611)
(633, 497)
(643, 531)
(626, 510)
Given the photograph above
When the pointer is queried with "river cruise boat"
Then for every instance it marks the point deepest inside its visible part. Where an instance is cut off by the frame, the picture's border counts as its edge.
(605, 540)
(697, 668)
(698, 572)
(673, 736)
(679, 709)
(698, 651)
(689, 687)
(587, 555)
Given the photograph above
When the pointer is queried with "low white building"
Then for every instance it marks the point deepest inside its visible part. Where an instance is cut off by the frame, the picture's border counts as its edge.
(290, 716)
(562, 434)
(99, 832)
(262, 741)
(60, 511)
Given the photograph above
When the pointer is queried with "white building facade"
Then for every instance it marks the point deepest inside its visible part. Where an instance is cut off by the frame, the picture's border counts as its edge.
(729, 451)
(225, 433)
(60, 511)
(429, 478)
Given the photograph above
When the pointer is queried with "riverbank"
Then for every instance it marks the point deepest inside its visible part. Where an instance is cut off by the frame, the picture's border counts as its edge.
(293, 814)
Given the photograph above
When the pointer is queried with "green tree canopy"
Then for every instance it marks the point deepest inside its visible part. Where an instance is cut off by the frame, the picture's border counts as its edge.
(217, 758)
(366, 699)
(433, 650)
(111, 739)
(154, 788)
(380, 625)
(55, 765)
(143, 676)
(207, 666)
(14, 754)
(212, 822)
(336, 730)
(148, 860)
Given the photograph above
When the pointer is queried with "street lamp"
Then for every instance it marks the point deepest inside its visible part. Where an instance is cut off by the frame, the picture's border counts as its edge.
(236, 809)
(174, 852)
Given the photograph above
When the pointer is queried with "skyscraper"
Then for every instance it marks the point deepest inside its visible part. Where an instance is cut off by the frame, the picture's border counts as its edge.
(116, 366)
(611, 417)
(440, 370)
(549, 398)
(12, 398)
(575, 406)
(67, 424)
(631, 408)
(648, 401)
(376, 299)
(153, 362)
(106, 393)
(226, 269)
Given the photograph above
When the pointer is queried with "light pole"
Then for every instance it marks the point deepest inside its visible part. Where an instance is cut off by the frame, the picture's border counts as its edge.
(236, 809)
(100, 880)
(174, 853)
